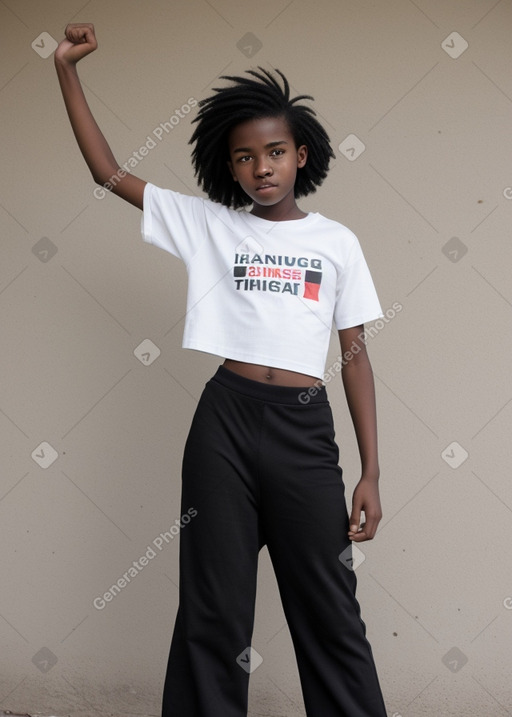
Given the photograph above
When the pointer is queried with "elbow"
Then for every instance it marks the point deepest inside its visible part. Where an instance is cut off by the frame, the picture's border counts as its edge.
(98, 177)
(102, 189)
(102, 179)
(107, 177)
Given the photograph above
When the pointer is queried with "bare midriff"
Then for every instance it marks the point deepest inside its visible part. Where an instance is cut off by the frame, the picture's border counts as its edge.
(269, 374)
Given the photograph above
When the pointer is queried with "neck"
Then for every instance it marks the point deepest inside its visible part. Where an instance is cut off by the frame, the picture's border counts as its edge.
(278, 212)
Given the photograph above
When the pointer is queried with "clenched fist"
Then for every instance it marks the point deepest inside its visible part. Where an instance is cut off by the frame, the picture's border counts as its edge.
(80, 41)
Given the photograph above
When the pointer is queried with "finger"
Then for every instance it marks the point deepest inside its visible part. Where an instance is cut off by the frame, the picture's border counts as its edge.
(354, 521)
(359, 537)
(371, 527)
(80, 33)
(73, 31)
(77, 37)
(368, 530)
(89, 35)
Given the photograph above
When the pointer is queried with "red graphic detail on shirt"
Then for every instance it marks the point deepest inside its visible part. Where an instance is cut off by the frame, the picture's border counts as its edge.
(274, 273)
(312, 284)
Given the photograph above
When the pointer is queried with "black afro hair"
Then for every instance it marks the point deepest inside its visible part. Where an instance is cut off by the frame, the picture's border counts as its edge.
(247, 99)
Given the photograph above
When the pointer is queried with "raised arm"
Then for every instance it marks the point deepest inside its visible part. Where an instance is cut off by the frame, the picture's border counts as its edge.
(80, 41)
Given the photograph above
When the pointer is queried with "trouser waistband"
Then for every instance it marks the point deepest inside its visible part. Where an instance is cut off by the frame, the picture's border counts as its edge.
(298, 395)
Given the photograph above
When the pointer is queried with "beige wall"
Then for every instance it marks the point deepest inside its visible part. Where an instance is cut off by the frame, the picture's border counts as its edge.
(436, 582)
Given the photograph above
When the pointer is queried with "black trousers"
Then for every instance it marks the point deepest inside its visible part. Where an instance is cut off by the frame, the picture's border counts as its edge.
(261, 467)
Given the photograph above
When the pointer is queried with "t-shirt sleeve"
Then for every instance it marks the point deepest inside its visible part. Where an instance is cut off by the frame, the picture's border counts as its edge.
(173, 221)
(356, 298)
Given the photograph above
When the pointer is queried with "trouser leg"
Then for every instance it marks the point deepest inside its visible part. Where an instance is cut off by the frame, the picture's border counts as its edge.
(306, 525)
(218, 565)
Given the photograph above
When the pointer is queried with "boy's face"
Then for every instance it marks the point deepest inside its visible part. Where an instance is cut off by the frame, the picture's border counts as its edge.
(264, 160)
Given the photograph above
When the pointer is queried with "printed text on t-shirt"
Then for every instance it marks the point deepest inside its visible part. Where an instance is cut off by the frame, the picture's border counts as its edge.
(278, 273)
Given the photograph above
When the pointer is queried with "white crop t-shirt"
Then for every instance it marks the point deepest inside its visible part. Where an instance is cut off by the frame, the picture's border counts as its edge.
(260, 291)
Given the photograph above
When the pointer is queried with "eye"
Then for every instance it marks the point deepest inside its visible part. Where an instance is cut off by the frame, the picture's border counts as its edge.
(276, 152)
(244, 159)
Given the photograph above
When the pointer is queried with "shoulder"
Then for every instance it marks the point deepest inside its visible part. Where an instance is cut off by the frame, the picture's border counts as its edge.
(165, 195)
(337, 234)
(170, 199)
(335, 225)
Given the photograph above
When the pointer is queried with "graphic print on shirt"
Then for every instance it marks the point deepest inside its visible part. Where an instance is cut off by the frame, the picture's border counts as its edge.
(296, 275)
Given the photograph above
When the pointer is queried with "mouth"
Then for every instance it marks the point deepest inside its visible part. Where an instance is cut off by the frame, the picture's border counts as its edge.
(263, 187)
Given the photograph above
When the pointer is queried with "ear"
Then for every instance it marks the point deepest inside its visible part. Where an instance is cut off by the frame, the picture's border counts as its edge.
(230, 166)
(302, 156)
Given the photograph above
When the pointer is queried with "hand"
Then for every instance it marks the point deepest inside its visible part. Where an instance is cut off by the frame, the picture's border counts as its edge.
(80, 41)
(366, 497)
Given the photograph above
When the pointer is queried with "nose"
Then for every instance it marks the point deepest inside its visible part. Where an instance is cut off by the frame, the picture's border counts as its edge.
(262, 167)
